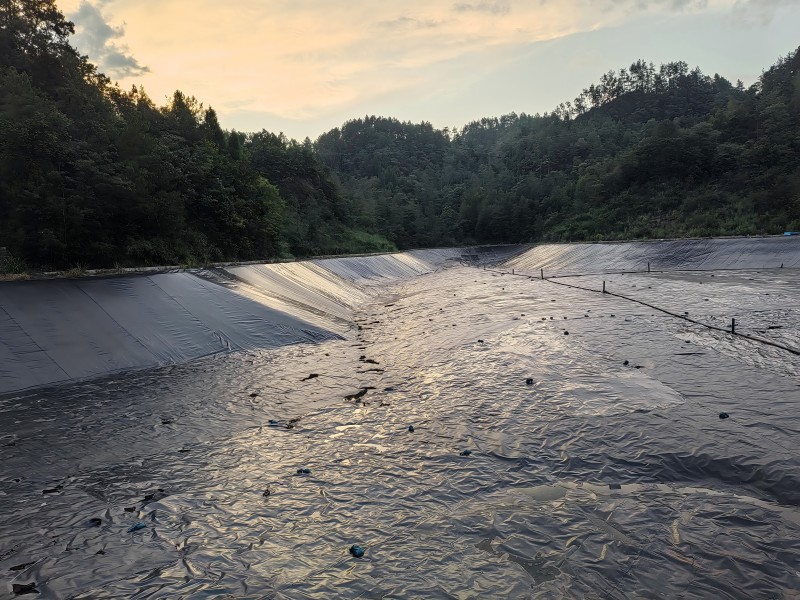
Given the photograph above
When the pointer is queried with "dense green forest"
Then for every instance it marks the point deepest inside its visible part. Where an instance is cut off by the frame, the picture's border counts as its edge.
(91, 175)
(646, 152)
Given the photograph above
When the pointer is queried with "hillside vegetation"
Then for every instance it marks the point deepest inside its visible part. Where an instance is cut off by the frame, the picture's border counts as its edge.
(91, 175)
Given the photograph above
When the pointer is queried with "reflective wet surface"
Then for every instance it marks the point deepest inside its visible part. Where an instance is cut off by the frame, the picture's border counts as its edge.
(598, 479)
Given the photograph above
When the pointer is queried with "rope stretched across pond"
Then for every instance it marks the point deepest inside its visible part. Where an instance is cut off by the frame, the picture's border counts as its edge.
(794, 351)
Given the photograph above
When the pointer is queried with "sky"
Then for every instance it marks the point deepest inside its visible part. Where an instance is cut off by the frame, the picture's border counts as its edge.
(303, 67)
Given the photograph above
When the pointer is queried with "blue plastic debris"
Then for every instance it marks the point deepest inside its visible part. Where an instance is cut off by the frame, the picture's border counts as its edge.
(136, 527)
(466, 452)
(356, 551)
(411, 428)
(273, 422)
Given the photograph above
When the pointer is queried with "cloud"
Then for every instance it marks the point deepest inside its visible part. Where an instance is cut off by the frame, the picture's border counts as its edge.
(498, 7)
(762, 11)
(95, 37)
(406, 23)
(304, 60)
(676, 5)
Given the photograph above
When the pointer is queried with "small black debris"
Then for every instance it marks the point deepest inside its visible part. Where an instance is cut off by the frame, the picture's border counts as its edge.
(356, 550)
(167, 421)
(312, 376)
(159, 494)
(24, 588)
(254, 395)
(480, 341)
(388, 389)
(566, 333)
(466, 452)
(626, 363)
(614, 486)
(613, 315)
(129, 509)
(724, 415)
(266, 493)
(360, 394)
(273, 422)
(411, 428)
(529, 381)
(22, 567)
(304, 471)
(54, 490)
(94, 522)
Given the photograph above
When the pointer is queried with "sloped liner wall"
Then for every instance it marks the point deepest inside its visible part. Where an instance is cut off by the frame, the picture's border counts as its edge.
(667, 255)
(62, 330)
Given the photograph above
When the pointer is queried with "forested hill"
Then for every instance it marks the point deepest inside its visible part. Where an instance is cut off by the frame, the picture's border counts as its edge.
(91, 175)
(94, 176)
(645, 152)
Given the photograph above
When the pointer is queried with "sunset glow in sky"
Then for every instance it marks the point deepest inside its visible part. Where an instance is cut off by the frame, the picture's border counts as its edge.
(305, 66)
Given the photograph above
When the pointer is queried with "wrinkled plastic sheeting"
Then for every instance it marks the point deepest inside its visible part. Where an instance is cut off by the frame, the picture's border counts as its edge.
(54, 331)
(705, 254)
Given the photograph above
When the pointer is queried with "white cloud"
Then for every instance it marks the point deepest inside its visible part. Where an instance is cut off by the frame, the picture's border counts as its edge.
(308, 59)
(95, 37)
(759, 11)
